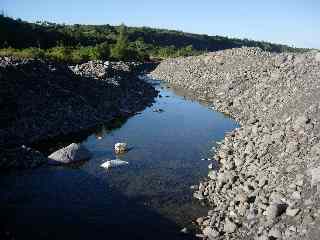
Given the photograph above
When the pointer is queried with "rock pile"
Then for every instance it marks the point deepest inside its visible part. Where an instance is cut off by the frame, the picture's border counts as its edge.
(105, 71)
(267, 186)
(40, 100)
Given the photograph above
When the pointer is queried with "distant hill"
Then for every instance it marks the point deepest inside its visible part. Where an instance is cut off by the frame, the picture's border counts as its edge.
(21, 34)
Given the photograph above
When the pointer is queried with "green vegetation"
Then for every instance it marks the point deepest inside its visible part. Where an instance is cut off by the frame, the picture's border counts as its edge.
(79, 43)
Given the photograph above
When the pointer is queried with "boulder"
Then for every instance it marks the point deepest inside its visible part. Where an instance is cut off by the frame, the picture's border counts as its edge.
(114, 163)
(70, 154)
(120, 147)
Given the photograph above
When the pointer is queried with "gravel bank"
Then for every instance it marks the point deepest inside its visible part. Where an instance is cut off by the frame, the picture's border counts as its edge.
(41, 100)
(266, 186)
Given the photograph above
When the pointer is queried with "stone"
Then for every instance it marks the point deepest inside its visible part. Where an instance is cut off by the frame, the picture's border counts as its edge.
(211, 233)
(212, 174)
(296, 195)
(263, 237)
(300, 122)
(275, 210)
(120, 148)
(200, 236)
(292, 211)
(317, 57)
(315, 175)
(113, 163)
(299, 180)
(292, 147)
(262, 181)
(198, 195)
(315, 149)
(275, 233)
(70, 154)
(242, 197)
(238, 162)
(158, 110)
(184, 230)
(229, 226)
(199, 220)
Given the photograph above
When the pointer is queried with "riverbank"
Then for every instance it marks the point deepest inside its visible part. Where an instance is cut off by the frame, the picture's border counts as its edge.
(266, 185)
(41, 100)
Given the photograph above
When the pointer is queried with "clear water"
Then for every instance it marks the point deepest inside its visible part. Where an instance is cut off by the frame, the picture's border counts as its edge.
(148, 199)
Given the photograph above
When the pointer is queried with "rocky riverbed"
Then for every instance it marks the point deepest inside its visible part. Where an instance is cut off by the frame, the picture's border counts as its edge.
(267, 184)
(40, 100)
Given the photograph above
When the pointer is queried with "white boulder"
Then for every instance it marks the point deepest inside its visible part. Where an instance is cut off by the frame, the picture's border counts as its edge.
(120, 147)
(114, 163)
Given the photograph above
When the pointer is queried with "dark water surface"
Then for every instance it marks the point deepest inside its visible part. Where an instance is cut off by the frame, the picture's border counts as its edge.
(148, 199)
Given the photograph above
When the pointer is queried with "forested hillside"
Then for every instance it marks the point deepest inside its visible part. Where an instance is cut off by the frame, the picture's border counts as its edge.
(78, 43)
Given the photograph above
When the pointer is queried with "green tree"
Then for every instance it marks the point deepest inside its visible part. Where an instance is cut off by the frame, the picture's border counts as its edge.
(120, 49)
(103, 50)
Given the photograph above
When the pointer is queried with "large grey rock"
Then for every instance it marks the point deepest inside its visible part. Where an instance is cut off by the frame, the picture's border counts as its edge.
(70, 154)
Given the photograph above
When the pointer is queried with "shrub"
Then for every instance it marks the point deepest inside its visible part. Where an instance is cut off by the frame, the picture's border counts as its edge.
(59, 54)
(103, 51)
(120, 50)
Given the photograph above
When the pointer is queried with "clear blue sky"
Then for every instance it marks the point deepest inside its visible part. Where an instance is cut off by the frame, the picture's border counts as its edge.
(293, 22)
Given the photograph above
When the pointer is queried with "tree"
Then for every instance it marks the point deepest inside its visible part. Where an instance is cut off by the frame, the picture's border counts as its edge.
(120, 49)
(103, 50)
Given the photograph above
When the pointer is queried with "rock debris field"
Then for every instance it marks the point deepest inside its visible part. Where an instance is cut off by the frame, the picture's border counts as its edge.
(41, 100)
(267, 183)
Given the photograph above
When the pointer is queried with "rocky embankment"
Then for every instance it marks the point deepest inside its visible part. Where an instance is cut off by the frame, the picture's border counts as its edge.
(41, 100)
(267, 184)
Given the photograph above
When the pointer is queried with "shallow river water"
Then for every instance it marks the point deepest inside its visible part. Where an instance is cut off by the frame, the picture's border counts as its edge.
(148, 199)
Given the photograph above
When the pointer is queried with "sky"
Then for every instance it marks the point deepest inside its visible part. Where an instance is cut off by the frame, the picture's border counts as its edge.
(292, 22)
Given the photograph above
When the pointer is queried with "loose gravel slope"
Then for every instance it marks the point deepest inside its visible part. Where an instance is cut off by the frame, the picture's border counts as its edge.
(267, 183)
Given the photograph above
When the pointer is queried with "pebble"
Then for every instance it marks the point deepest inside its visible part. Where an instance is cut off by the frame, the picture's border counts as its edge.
(292, 211)
(184, 230)
(211, 233)
(229, 226)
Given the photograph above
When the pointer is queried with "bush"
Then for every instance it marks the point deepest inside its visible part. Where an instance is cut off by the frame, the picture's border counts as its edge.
(59, 54)
(34, 53)
(103, 51)
(120, 50)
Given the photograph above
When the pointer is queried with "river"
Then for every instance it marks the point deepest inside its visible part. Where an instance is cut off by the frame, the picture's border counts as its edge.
(150, 198)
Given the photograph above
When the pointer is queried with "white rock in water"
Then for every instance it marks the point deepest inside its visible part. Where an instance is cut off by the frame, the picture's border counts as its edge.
(184, 230)
(120, 147)
(114, 163)
(158, 110)
(72, 153)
